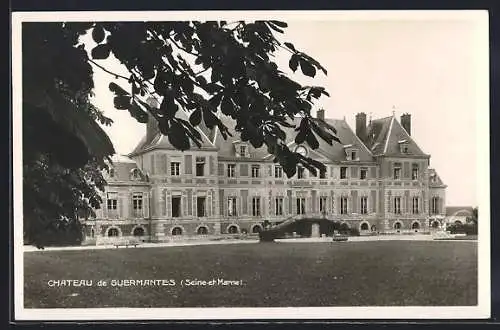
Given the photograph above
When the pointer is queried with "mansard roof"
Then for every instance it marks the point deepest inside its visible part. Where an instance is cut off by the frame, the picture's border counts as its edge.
(385, 135)
(123, 168)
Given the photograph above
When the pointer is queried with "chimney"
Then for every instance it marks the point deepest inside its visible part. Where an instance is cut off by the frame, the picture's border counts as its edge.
(361, 126)
(152, 125)
(320, 114)
(406, 122)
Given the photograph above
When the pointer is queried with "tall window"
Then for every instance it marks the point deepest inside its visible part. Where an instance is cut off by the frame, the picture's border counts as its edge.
(278, 171)
(137, 205)
(397, 171)
(435, 205)
(300, 172)
(200, 166)
(363, 173)
(255, 171)
(231, 206)
(231, 170)
(301, 206)
(414, 172)
(414, 205)
(278, 206)
(322, 205)
(354, 155)
(364, 205)
(176, 206)
(256, 206)
(397, 205)
(200, 206)
(175, 168)
(322, 174)
(243, 151)
(112, 201)
(343, 172)
(343, 205)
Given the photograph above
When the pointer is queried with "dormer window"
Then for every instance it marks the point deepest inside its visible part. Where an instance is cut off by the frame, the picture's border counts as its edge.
(351, 152)
(135, 174)
(403, 146)
(300, 172)
(241, 149)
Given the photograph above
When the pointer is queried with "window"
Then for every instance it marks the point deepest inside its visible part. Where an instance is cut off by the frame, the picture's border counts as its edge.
(112, 173)
(397, 171)
(301, 206)
(256, 229)
(363, 173)
(278, 206)
(135, 174)
(343, 205)
(202, 231)
(278, 171)
(243, 151)
(397, 205)
(113, 232)
(176, 206)
(322, 174)
(322, 205)
(397, 225)
(354, 155)
(137, 205)
(177, 231)
(300, 172)
(255, 171)
(231, 206)
(232, 229)
(200, 166)
(200, 206)
(256, 206)
(343, 172)
(364, 226)
(364, 205)
(404, 148)
(231, 170)
(175, 168)
(415, 205)
(415, 225)
(435, 205)
(112, 201)
(414, 172)
(138, 231)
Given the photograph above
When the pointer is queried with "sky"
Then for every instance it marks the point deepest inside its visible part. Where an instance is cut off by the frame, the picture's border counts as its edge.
(427, 67)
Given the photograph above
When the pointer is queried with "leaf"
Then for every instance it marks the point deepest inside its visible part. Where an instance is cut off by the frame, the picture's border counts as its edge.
(100, 52)
(280, 24)
(138, 113)
(227, 107)
(312, 141)
(307, 68)
(195, 117)
(177, 136)
(98, 33)
(122, 102)
(117, 89)
(294, 62)
(290, 45)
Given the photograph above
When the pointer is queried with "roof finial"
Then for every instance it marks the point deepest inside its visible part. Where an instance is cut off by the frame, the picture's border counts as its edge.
(370, 118)
(393, 110)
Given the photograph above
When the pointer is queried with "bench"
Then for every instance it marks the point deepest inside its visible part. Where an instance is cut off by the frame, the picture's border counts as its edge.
(126, 244)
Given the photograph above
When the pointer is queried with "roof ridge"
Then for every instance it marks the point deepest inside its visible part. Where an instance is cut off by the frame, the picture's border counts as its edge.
(388, 135)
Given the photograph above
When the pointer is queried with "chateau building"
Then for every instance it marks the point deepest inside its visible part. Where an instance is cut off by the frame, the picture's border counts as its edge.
(377, 180)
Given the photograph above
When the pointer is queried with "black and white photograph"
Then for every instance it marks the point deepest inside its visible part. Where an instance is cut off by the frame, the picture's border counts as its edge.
(251, 165)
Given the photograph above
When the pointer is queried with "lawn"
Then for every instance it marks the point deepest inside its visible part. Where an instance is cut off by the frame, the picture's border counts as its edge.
(384, 273)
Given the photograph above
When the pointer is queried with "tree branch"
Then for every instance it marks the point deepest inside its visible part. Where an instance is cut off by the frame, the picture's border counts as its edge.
(107, 71)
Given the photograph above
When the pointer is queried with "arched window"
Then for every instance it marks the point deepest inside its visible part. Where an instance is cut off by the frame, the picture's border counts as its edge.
(374, 228)
(458, 223)
(415, 225)
(177, 231)
(139, 231)
(256, 229)
(202, 231)
(135, 174)
(435, 224)
(397, 225)
(232, 229)
(364, 226)
(113, 232)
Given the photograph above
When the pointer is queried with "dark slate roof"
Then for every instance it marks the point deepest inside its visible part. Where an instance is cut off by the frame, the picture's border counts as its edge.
(459, 211)
(333, 152)
(384, 136)
(437, 182)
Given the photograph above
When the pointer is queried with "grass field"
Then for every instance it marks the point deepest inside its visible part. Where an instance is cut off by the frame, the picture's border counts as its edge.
(388, 273)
